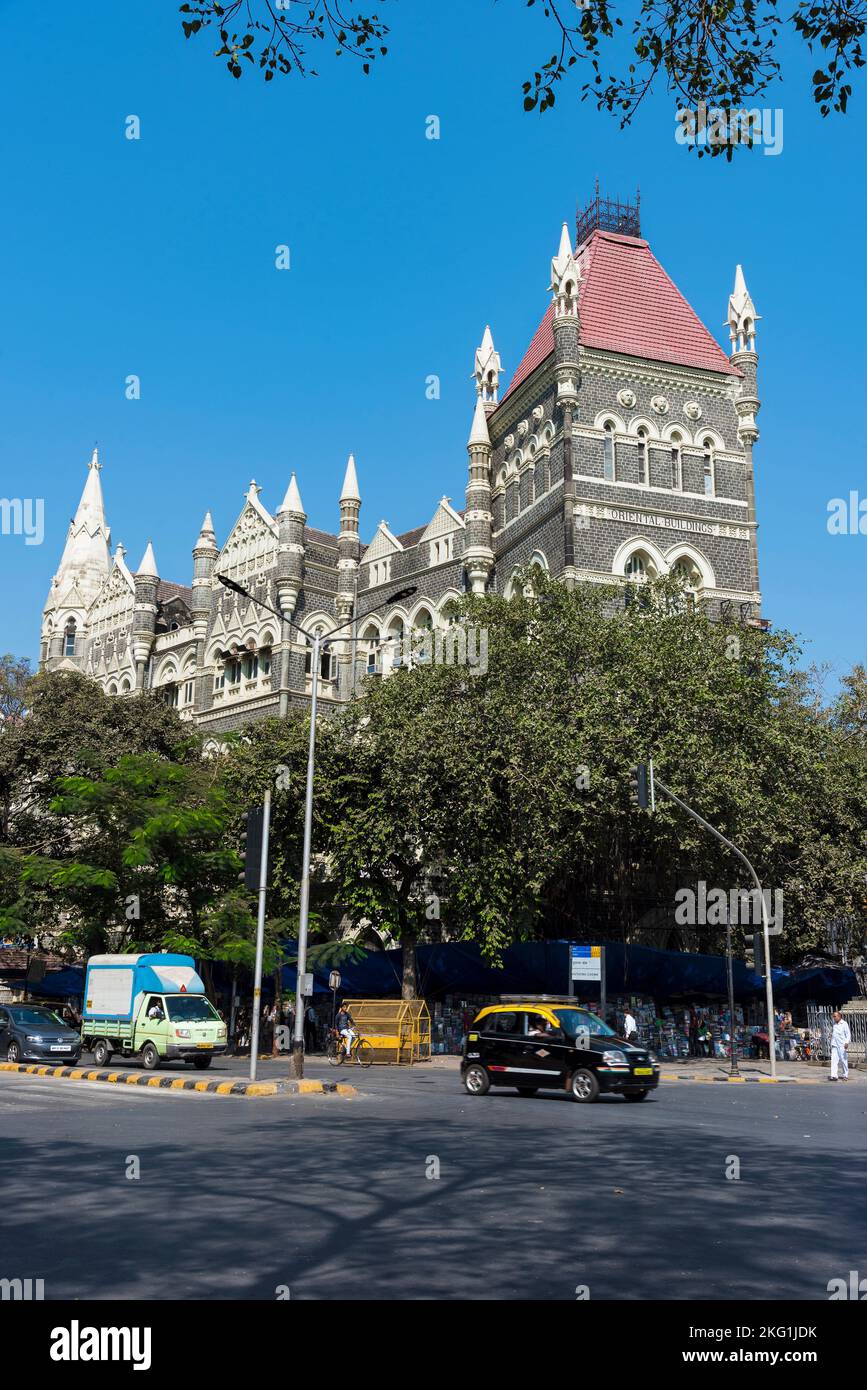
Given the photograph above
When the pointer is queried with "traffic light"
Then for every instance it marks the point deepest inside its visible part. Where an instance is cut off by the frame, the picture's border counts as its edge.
(252, 827)
(638, 792)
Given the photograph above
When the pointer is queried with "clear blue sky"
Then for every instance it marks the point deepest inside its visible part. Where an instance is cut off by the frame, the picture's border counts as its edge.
(156, 257)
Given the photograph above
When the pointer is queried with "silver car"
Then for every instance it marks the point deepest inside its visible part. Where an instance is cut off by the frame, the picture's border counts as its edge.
(30, 1033)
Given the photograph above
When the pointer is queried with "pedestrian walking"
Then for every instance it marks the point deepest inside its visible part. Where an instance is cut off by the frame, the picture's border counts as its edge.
(309, 1028)
(630, 1027)
(840, 1040)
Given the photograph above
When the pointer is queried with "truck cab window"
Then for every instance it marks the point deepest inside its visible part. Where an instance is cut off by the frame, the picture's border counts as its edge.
(155, 1009)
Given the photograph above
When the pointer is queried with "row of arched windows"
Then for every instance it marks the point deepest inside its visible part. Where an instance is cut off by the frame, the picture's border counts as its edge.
(609, 459)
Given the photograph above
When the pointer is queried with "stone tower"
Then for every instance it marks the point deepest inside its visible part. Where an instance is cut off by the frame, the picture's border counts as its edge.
(741, 323)
(479, 555)
(566, 324)
(147, 583)
(205, 554)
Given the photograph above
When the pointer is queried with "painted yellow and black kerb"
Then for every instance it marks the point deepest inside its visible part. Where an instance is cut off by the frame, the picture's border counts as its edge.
(234, 1087)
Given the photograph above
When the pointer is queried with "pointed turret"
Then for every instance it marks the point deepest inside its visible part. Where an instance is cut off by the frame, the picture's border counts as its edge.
(349, 492)
(741, 322)
(144, 623)
(566, 327)
(565, 277)
(205, 554)
(487, 370)
(148, 567)
(292, 501)
(349, 556)
(479, 431)
(207, 535)
(478, 555)
(291, 519)
(742, 316)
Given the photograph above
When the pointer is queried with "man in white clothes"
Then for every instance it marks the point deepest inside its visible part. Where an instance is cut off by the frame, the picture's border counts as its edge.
(840, 1040)
(630, 1027)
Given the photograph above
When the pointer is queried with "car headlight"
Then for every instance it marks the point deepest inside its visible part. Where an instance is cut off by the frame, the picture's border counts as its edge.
(33, 1037)
(613, 1058)
(182, 1032)
(221, 1032)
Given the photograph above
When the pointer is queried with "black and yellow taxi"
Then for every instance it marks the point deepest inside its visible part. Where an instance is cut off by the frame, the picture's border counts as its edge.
(545, 1042)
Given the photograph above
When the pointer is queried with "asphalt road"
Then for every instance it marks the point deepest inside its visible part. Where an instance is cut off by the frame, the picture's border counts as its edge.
(330, 1198)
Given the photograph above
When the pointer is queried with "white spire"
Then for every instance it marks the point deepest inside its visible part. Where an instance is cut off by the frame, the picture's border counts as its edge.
(207, 536)
(479, 432)
(565, 276)
(487, 369)
(148, 567)
(292, 501)
(86, 559)
(349, 492)
(742, 316)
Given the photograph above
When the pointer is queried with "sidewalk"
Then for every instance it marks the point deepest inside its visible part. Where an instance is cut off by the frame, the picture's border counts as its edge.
(749, 1069)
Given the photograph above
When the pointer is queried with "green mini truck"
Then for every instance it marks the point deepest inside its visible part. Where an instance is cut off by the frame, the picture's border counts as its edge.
(151, 1006)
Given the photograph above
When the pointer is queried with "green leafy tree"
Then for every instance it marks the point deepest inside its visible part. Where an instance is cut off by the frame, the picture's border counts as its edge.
(494, 802)
(151, 864)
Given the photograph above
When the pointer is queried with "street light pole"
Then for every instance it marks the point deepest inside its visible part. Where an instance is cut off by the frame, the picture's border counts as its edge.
(260, 936)
(769, 989)
(304, 914)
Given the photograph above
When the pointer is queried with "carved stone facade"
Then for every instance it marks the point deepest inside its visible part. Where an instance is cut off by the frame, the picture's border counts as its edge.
(622, 449)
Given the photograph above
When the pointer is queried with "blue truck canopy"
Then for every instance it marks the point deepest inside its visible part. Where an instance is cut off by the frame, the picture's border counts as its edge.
(114, 985)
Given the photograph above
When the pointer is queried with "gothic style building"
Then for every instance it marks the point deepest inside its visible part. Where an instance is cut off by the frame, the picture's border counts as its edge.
(621, 449)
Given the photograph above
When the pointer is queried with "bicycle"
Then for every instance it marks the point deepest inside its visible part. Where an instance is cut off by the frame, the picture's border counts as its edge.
(360, 1049)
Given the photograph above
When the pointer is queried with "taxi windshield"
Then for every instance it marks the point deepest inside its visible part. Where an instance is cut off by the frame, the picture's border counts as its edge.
(572, 1020)
(191, 1008)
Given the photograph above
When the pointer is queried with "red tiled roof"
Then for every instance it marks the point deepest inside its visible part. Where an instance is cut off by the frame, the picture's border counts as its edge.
(628, 304)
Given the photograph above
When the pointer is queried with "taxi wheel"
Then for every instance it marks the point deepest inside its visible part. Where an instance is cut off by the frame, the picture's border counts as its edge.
(584, 1086)
(476, 1081)
(150, 1057)
(201, 1063)
(636, 1095)
(527, 1090)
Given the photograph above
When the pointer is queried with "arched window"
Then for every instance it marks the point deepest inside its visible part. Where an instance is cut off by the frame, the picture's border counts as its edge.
(688, 570)
(609, 457)
(327, 662)
(422, 646)
(709, 480)
(637, 566)
(69, 638)
(395, 640)
(125, 686)
(643, 458)
(677, 462)
(371, 651)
